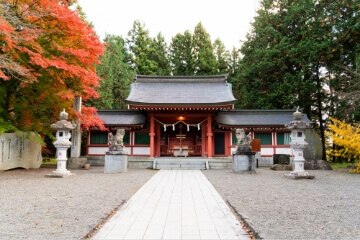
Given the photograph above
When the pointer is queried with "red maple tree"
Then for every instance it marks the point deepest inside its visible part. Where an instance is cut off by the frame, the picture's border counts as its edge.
(47, 57)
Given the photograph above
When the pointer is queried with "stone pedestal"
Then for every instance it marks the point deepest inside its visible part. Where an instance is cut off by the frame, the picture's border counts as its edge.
(61, 161)
(116, 162)
(61, 170)
(244, 162)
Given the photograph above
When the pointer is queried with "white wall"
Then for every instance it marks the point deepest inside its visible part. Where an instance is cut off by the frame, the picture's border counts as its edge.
(141, 150)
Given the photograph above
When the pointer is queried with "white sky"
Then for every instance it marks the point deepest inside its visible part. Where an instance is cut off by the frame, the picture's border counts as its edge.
(228, 20)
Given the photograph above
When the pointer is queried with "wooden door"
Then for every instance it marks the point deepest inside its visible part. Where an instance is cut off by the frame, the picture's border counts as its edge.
(219, 142)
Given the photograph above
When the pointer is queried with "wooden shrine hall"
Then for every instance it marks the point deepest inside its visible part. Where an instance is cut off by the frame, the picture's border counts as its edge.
(185, 116)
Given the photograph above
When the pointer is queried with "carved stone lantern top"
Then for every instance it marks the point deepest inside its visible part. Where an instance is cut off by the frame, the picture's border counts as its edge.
(297, 123)
(63, 115)
(297, 115)
(63, 124)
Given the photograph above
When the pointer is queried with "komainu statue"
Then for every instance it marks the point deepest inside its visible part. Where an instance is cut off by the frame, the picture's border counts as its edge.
(116, 142)
(243, 141)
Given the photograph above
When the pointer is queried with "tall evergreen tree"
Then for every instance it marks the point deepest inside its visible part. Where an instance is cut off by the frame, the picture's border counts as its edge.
(203, 52)
(149, 56)
(287, 54)
(343, 18)
(222, 56)
(181, 54)
(141, 49)
(160, 55)
(116, 73)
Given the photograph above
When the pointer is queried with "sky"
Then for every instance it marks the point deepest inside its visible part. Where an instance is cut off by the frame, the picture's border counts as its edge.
(228, 20)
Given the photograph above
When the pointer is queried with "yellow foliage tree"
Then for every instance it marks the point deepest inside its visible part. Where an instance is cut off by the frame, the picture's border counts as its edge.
(347, 137)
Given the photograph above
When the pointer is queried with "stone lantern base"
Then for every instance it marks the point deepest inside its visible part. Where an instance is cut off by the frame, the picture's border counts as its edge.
(299, 175)
(56, 174)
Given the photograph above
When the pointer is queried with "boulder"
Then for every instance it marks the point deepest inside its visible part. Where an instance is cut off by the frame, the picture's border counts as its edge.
(281, 167)
(310, 165)
(76, 163)
(317, 165)
(323, 165)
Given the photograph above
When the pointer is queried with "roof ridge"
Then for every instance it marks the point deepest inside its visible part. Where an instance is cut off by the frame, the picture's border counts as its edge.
(260, 110)
(202, 78)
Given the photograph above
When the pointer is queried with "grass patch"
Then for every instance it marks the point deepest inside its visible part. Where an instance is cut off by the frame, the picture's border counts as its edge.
(341, 165)
(49, 161)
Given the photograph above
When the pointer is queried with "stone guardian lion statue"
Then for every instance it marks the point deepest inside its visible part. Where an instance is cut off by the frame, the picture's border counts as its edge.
(116, 143)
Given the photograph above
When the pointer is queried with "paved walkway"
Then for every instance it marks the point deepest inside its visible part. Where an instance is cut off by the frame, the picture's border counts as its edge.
(174, 204)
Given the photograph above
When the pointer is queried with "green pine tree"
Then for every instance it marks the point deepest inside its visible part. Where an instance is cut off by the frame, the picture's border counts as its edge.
(203, 52)
(116, 73)
(181, 54)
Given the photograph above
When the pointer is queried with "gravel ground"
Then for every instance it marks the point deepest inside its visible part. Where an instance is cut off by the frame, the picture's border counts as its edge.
(327, 207)
(35, 207)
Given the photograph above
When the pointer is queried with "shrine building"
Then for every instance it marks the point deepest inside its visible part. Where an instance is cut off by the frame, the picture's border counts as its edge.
(189, 116)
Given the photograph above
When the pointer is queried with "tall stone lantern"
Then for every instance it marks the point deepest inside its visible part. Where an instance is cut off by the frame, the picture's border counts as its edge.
(63, 134)
(298, 144)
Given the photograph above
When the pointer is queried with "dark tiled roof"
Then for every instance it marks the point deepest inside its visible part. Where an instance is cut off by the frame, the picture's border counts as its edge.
(121, 118)
(257, 117)
(181, 90)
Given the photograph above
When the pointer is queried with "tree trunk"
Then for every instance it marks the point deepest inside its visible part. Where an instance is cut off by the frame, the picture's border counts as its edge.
(319, 105)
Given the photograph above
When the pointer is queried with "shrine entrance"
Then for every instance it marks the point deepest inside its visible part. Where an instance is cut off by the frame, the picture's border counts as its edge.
(181, 134)
(184, 141)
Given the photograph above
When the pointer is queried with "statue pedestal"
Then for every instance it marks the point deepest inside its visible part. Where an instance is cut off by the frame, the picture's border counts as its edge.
(244, 162)
(116, 162)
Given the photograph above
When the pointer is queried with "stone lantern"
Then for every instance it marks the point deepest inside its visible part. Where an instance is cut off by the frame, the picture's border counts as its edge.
(298, 144)
(63, 134)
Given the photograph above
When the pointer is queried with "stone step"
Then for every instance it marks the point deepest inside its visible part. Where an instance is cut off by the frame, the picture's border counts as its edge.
(180, 164)
(181, 168)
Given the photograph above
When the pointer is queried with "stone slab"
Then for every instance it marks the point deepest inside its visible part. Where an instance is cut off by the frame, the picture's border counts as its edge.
(116, 163)
(297, 176)
(174, 204)
(19, 150)
(281, 167)
(59, 175)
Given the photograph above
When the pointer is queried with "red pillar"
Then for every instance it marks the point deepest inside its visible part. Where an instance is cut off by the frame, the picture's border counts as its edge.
(203, 139)
(152, 136)
(209, 135)
(157, 138)
(227, 144)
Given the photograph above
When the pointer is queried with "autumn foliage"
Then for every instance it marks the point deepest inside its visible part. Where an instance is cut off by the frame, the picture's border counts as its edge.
(347, 138)
(47, 57)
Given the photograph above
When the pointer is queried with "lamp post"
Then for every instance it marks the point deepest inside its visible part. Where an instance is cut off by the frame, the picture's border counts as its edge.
(298, 144)
(63, 134)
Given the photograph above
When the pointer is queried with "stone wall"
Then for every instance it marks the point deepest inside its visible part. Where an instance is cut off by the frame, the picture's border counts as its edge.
(19, 150)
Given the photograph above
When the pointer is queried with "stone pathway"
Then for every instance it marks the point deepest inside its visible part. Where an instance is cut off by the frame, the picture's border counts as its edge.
(174, 204)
